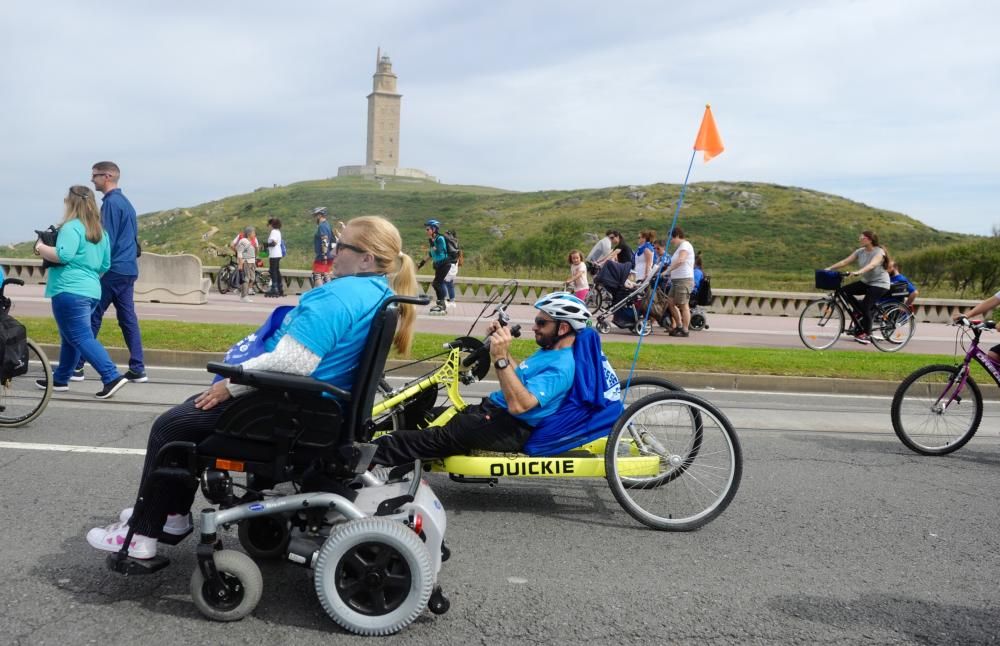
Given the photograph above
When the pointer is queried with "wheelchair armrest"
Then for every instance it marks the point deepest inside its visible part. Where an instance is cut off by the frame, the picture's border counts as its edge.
(270, 380)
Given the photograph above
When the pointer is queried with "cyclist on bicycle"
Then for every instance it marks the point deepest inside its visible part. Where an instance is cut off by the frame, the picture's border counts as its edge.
(873, 260)
(983, 307)
(529, 391)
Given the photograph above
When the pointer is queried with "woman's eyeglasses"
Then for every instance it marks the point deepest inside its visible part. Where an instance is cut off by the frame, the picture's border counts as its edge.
(345, 245)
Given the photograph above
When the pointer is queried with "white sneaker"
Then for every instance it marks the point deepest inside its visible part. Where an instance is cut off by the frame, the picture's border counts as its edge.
(112, 537)
(451, 304)
(176, 524)
(246, 299)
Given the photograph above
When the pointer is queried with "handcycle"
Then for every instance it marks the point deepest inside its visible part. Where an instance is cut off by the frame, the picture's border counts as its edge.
(229, 276)
(938, 408)
(375, 541)
(672, 460)
(21, 399)
(822, 321)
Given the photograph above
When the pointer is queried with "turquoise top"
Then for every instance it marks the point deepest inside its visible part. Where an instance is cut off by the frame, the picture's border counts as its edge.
(548, 375)
(83, 262)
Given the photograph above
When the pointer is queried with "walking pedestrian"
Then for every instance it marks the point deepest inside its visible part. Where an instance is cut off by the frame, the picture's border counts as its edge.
(276, 251)
(681, 283)
(323, 246)
(246, 260)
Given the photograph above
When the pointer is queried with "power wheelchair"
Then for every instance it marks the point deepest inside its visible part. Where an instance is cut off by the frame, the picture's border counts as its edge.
(375, 539)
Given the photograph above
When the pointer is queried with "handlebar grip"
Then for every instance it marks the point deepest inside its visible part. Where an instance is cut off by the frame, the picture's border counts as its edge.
(13, 281)
(475, 356)
(515, 331)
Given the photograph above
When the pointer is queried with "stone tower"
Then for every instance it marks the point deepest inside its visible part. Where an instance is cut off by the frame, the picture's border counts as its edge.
(383, 116)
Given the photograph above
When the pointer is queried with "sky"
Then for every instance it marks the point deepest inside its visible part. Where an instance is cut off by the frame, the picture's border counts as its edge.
(888, 102)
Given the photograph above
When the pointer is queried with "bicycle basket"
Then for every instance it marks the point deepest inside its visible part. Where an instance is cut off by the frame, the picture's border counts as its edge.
(828, 279)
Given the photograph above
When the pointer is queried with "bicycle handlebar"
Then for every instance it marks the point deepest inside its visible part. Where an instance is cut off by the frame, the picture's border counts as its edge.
(975, 324)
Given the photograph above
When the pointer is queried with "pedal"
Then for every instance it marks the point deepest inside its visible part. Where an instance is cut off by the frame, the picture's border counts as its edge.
(128, 566)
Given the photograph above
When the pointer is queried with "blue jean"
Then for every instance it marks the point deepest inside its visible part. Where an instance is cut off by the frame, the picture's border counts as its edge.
(118, 289)
(73, 316)
(449, 288)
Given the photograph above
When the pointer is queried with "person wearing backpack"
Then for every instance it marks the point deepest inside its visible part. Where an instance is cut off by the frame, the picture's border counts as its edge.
(276, 251)
(438, 253)
(455, 258)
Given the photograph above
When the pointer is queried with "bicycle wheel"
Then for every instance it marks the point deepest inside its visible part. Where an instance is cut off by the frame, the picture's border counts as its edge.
(642, 386)
(821, 324)
(893, 327)
(933, 413)
(595, 299)
(673, 461)
(223, 282)
(21, 400)
(262, 281)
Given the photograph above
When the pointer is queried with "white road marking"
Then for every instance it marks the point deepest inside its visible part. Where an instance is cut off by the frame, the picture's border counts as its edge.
(68, 448)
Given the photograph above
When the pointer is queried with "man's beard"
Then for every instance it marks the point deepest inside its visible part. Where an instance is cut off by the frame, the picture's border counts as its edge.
(547, 341)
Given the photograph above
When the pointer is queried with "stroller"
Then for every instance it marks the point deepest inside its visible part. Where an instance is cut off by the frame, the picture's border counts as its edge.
(626, 306)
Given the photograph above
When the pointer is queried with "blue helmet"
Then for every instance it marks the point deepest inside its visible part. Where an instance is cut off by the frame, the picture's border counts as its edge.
(563, 306)
(433, 223)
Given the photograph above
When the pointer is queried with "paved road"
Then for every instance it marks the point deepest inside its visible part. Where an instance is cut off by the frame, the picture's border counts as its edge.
(724, 330)
(837, 535)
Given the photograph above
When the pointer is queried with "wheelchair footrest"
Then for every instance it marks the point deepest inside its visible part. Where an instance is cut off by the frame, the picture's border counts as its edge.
(129, 566)
(173, 539)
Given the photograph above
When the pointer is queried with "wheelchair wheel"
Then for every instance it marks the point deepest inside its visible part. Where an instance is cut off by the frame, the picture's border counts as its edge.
(266, 537)
(21, 401)
(893, 327)
(696, 468)
(642, 386)
(373, 576)
(698, 322)
(242, 575)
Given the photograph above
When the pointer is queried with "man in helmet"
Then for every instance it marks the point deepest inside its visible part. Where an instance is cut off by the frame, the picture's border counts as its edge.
(323, 242)
(529, 391)
(438, 253)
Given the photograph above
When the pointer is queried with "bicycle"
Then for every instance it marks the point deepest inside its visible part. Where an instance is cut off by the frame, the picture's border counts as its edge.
(229, 277)
(665, 437)
(21, 400)
(822, 321)
(937, 409)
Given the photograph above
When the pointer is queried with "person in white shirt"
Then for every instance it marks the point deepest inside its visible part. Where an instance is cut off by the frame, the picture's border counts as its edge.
(246, 259)
(275, 252)
(681, 282)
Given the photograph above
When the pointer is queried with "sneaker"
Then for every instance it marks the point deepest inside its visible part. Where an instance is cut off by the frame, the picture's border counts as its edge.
(56, 386)
(112, 387)
(451, 304)
(246, 299)
(77, 375)
(681, 332)
(112, 537)
(136, 377)
(177, 524)
(863, 339)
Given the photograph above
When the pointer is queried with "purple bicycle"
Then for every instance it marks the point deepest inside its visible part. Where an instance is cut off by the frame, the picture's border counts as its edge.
(938, 408)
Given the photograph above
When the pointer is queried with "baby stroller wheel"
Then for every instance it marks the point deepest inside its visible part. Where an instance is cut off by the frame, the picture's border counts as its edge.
(373, 576)
(265, 537)
(698, 322)
(642, 328)
(241, 575)
(603, 326)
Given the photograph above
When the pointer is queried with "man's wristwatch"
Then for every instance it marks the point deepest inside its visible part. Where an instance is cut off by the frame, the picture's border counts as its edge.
(501, 363)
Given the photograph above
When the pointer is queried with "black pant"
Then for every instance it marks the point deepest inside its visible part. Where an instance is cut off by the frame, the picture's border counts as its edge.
(441, 270)
(277, 287)
(872, 296)
(484, 426)
(182, 423)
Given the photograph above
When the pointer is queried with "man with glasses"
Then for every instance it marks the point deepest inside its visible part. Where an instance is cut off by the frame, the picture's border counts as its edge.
(529, 391)
(118, 284)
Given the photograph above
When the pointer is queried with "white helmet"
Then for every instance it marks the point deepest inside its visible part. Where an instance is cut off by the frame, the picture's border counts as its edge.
(563, 306)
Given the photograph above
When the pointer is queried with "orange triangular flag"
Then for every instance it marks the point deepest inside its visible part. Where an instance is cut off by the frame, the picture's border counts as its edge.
(708, 138)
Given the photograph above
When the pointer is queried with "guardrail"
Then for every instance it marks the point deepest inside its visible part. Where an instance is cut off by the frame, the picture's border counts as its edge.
(472, 289)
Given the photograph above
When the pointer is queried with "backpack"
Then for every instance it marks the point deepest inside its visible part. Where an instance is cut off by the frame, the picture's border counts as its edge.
(451, 246)
(705, 291)
(284, 249)
(13, 348)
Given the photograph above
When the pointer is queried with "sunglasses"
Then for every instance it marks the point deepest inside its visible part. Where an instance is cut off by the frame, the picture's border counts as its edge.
(540, 322)
(345, 245)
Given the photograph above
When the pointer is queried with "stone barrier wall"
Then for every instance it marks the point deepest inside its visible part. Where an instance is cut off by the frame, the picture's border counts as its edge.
(473, 289)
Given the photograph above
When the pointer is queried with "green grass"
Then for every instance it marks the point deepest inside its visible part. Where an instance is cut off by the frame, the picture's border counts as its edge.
(845, 364)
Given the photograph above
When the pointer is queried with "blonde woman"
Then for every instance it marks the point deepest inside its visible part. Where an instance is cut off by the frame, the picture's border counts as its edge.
(82, 253)
(323, 337)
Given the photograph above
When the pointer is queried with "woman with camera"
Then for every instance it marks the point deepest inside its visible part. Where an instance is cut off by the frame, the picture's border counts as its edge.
(79, 255)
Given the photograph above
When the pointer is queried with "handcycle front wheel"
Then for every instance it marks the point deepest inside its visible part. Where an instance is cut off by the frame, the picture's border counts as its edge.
(821, 324)
(21, 400)
(673, 461)
(893, 327)
(642, 386)
(931, 416)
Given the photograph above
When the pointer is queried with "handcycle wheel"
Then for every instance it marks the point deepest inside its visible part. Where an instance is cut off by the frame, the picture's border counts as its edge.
(893, 327)
(21, 400)
(392, 419)
(242, 575)
(265, 537)
(673, 461)
(224, 281)
(639, 387)
(821, 324)
(373, 576)
(931, 416)
(262, 281)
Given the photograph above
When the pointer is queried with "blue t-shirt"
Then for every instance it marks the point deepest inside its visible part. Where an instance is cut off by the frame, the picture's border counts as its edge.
(900, 278)
(333, 321)
(698, 275)
(548, 375)
(323, 231)
(122, 228)
(83, 262)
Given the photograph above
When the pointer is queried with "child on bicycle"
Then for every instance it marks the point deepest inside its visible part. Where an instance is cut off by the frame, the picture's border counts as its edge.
(873, 260)
(577, 281)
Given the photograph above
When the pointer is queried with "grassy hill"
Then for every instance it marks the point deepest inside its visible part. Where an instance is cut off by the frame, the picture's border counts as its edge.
(752, 235)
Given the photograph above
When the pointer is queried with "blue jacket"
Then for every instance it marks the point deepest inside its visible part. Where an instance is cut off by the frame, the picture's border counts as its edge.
(119, 222)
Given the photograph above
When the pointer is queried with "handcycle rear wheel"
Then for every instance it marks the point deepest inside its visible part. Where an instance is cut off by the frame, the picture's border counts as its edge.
(698, 461)
(21, 400)
(930, 416)
(893, 327)
(821, 324)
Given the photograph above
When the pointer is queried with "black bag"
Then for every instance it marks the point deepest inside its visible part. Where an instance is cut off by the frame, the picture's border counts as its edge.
(451, 246)
(138, 247)
(705, 291)
(48, 237)
(13, 348)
